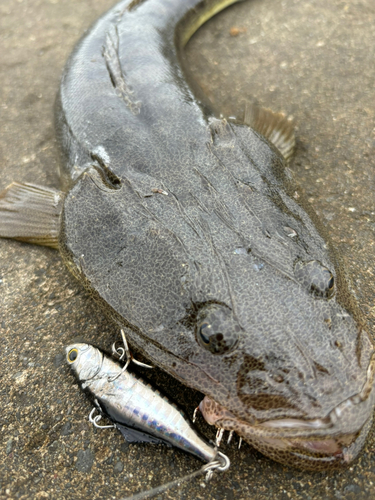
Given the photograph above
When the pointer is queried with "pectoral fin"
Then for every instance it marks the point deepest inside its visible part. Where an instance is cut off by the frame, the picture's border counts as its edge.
(31, 213)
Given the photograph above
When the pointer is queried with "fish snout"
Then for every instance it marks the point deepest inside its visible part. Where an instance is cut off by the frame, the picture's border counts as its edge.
(330, 441)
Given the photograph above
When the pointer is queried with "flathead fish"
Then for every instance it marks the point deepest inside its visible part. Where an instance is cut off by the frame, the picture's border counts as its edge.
(188, 230)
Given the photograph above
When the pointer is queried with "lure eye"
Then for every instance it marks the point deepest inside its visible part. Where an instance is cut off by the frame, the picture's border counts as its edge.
(316, 278)
(216, 330)
(72, 355)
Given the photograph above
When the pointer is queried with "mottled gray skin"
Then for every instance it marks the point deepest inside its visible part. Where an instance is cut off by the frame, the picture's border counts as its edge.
(189, 231)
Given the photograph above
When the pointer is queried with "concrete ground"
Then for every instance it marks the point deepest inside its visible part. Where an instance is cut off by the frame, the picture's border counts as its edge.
(313, 60)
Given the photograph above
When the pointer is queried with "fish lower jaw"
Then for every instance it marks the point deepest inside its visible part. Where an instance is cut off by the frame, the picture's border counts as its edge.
(306, 453)
(311, 453)
(315, 444)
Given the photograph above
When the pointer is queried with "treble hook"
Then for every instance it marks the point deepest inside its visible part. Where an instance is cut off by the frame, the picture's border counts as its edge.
(125, 351)
(96, 419)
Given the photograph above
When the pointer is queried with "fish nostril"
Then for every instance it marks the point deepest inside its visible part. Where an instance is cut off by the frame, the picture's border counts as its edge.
(338, 344)
(328, 322)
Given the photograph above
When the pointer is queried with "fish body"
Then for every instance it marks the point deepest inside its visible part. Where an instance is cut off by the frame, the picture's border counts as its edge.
(189, 231)
(139, 411)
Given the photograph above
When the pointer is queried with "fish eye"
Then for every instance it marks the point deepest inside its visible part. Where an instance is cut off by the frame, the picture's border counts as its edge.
(317, 278)
(216, 329)
(72, 355)
(331, 282)
(204, 337)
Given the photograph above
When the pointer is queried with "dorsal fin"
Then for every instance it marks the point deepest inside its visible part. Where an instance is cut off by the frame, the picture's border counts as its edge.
(276, 127)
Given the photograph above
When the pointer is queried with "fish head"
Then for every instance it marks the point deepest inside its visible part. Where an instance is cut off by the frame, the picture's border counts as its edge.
(290, 361)
(225, 279)
(85, 360)
(288, 364)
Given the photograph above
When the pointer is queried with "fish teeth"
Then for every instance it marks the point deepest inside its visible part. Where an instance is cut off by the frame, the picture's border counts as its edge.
(195, 414)
(219, 436)
(230, 436)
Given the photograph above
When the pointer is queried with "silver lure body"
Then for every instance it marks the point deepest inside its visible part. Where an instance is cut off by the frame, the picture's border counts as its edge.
(131, 402)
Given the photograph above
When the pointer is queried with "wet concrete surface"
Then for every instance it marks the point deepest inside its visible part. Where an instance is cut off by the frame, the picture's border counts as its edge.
(313, 60)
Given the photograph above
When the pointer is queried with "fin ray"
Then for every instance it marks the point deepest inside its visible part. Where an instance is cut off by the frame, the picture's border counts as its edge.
(276, 127)
(31, 213)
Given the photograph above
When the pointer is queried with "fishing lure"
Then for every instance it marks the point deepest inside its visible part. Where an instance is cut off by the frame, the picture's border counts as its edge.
(138, 410)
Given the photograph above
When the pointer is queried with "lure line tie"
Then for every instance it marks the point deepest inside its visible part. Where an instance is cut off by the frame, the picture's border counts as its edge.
(220, 463)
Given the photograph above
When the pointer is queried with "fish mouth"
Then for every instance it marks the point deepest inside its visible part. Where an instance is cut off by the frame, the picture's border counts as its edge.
(332, 441)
